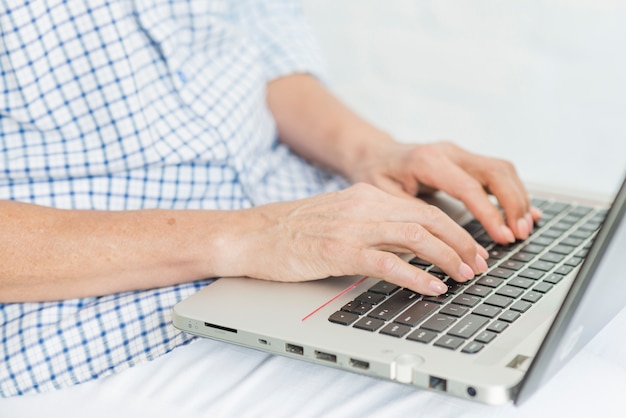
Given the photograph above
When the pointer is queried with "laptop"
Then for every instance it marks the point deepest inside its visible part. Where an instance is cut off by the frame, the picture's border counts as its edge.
(495, 339)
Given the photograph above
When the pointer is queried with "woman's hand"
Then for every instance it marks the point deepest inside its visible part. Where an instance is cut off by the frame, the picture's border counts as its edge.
(359, 230)
(408, 169)
(316, 125)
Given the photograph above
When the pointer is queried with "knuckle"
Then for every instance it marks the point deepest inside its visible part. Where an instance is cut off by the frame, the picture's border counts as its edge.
(433, 213)
(384, 264)
(501, 167)
(415, 233)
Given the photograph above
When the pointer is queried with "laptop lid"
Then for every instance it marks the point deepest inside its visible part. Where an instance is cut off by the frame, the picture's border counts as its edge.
(597, 294)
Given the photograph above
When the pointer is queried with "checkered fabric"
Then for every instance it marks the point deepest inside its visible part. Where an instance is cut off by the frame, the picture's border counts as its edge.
(120, 104)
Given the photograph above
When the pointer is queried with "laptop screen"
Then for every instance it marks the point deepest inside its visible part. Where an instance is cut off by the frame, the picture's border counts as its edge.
(597, 294)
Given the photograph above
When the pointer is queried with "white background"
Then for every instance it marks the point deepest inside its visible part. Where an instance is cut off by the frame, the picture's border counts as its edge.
(541, 83)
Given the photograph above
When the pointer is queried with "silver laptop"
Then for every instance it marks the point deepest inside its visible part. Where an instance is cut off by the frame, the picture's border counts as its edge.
(495, 339)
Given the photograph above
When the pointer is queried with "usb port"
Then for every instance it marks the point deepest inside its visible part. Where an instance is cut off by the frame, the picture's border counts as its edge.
(359, 364)
(437, 383)
(325, 356)
(294, 349)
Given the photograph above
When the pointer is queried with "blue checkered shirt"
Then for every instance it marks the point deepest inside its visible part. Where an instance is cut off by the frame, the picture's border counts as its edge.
(119, 104)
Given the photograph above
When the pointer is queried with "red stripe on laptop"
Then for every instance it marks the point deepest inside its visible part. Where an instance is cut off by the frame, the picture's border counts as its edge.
(355, 284)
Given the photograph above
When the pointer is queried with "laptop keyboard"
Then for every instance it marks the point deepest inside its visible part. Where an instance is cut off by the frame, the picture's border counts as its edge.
(472, 314)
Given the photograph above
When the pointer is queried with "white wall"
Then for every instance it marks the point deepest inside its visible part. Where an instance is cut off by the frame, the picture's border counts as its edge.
(542, 83)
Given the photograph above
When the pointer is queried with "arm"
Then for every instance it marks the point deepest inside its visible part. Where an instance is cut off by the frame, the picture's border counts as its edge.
(50, 254)
(320, 128)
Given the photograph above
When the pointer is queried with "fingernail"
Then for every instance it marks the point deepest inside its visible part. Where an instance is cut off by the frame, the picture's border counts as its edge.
(522, 228)
(536, 212)
(481, 264)
(466, 271)
(507, 233)
(438, 287)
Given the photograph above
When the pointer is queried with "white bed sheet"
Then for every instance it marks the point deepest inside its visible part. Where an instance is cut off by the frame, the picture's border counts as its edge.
(213, 379)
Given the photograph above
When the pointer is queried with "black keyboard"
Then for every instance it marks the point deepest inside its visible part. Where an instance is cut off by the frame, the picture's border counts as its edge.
(472, 314)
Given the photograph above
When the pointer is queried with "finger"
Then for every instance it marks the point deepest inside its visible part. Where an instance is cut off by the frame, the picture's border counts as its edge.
(417, 239)
(390, 267)
(501, 179)
(461, 185)
(409, 214)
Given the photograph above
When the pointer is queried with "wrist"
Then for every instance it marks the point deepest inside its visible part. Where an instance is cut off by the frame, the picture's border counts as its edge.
(364, 146)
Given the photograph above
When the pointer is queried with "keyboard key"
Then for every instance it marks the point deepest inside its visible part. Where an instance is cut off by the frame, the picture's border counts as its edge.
(395, 330)
(416, 313)
(440, 299)
(490, 281)
(485, 337)
(552, 257)
(564, 269)
(512, 264)
(499, 301)
(521, 306)
(497, 326)
(438, 323)
(553, 233)
(581, 211)
(574, 261)
(531, 273)
(542, 288)
(454, 310)
(542, 265)
(392, 306)
(532, 248)
(532, 296)
(538, 202)
(369, 324)
(362, 308)
(468, 326)
(448, 341)
(572, 242)
(521, 282)
(590, 225)
(510, 291)
(384, 288)
(543, 240)
(422, 336)
(523, 256)
(509, 316)
(556, 207)
(478, 290)
(487, 311)
(343, 318)
(501, 272)
(581, 233)
(453, 286)
(350, 306)
(369, 297)
(472, 347)
(553, 278)
(466, 300)
(419, 262)
(562, 249)
(498, 252)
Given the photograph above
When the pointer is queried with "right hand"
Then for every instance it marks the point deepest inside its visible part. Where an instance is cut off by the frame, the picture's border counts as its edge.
(359, 230)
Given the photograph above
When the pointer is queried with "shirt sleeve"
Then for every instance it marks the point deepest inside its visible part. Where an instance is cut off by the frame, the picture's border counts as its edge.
(283, 36)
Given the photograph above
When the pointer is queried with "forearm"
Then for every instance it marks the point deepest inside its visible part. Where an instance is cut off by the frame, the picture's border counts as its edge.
(317, 126)
(50, 254)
